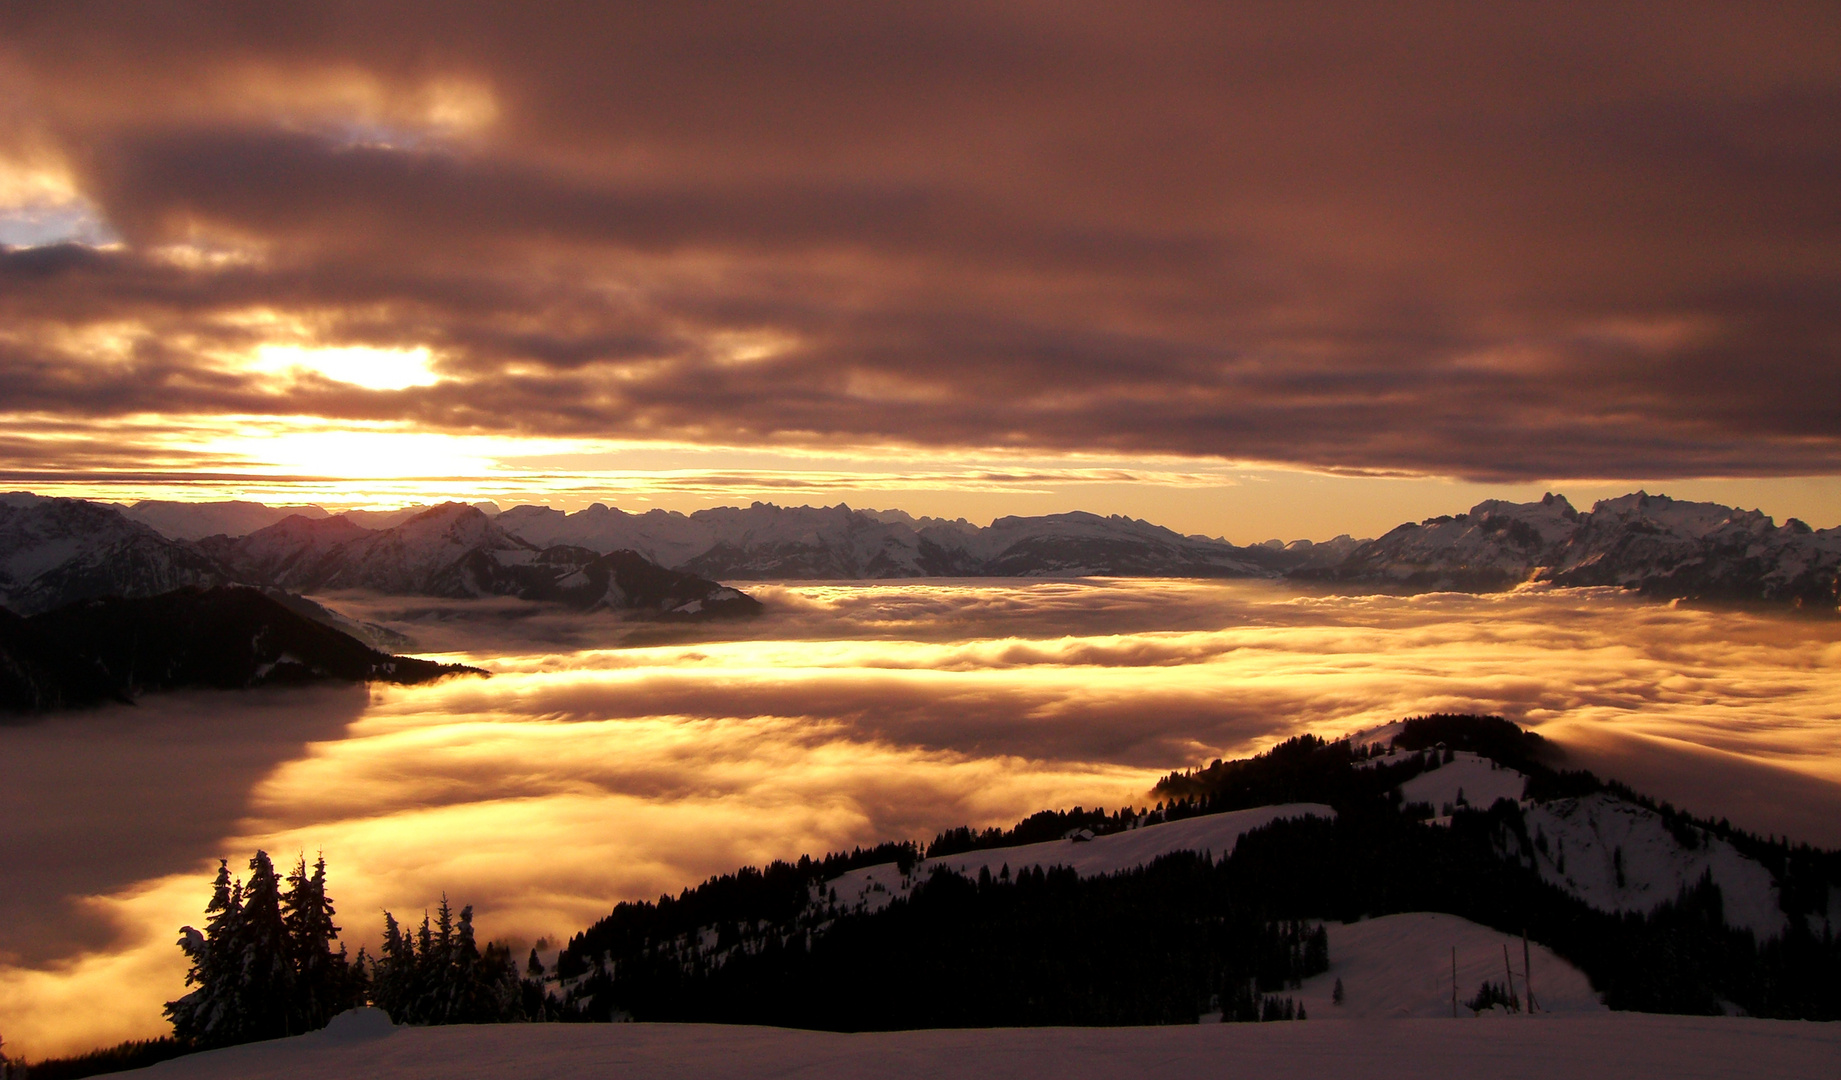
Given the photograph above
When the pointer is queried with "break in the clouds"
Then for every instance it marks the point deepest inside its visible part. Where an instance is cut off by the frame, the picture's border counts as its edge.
(1489, 242)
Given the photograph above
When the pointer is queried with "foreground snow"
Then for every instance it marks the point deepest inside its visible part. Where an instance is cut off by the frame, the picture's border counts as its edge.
(1608, 1045)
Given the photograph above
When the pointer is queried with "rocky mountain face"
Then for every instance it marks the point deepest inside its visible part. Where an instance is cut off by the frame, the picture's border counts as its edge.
(457, 551)
(54, 552)
(763, 541)
(1650, 543)
(224, 637)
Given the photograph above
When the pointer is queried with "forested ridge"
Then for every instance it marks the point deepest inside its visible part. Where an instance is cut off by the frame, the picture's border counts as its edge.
(699, 954)
(1187, 935)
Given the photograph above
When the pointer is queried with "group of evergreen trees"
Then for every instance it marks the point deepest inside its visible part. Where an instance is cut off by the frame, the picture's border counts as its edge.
(1164, 943)
(264, 966)
(438, 975)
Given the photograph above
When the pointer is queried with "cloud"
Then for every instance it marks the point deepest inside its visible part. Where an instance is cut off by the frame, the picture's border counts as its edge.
(1499, 245)
(598, 765)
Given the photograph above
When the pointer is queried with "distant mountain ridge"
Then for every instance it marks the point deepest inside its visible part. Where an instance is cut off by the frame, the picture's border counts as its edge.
(54, 552)
(763, 541)
(1652, 544)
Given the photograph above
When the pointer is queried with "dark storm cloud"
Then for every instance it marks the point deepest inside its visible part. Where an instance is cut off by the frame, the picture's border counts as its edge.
(1487, 242)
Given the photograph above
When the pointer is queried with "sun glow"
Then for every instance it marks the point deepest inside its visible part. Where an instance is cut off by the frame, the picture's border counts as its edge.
(358, 365)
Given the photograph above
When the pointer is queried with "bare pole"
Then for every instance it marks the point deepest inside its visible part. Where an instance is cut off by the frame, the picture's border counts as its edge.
(1527, 972)
(1454, 982)
(1510, 972)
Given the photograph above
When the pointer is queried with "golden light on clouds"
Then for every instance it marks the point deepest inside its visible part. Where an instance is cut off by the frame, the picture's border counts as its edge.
(582, 774)
(356, 365)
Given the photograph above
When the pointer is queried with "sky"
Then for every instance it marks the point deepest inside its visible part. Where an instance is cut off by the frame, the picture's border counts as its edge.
(1247, 270)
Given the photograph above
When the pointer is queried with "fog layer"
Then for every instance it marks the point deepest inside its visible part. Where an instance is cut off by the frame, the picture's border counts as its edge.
(599, 763)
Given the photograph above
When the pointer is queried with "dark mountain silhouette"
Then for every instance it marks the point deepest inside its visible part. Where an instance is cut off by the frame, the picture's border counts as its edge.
(38, 674)
(225, 637)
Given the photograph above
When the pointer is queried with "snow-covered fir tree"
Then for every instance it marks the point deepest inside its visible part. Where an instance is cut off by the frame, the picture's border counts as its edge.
(212, 1014)
(266, 969)
(440, 976)
(263, 967)
(325, 982)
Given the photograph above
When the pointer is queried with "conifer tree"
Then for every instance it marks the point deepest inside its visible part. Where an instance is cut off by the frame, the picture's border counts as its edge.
(214, 1014)
(322, 978)
(393, 973)
(441, 976)
(266, 971)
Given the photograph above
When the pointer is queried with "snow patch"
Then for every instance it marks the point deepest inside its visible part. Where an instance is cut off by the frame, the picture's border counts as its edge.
(1618, 856)
(1467, 780)
(355, 1026)
(1400, 966)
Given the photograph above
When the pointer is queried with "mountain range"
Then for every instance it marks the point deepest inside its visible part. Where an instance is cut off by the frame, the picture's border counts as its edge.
(1653, 544)
(54, 552)
(667, 564)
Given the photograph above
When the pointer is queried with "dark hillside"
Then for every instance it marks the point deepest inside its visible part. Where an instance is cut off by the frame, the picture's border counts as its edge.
(226, 637)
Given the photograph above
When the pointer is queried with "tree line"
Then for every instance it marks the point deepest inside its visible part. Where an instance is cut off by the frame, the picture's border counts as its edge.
(264, 966)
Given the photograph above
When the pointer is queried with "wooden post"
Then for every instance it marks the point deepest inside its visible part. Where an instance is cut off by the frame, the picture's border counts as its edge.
(1454, 982)
(1510, 973)
(1527, 972)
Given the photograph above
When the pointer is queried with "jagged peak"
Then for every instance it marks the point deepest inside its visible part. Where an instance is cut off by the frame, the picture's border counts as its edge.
(1682, 515)
(1550, 506)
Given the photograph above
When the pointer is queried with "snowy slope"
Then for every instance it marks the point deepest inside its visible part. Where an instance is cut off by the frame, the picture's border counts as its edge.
(1400, 965)
(1580, 844)
(1607, 1046)
(1475, 780)
(1586, 839)
(57, 551)
(872, 887)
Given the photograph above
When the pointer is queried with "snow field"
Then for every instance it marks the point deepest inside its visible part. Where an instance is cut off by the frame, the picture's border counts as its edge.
(1596, 833)
(1400, 966)
(1478, 779)
(1605, 1046)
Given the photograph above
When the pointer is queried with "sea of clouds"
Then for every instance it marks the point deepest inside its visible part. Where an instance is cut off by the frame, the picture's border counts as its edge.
(605, 760)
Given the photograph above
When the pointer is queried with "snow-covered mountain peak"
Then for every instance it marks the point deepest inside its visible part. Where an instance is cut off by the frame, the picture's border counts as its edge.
(1692, 520)
(1553, 519)
(53, 551)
